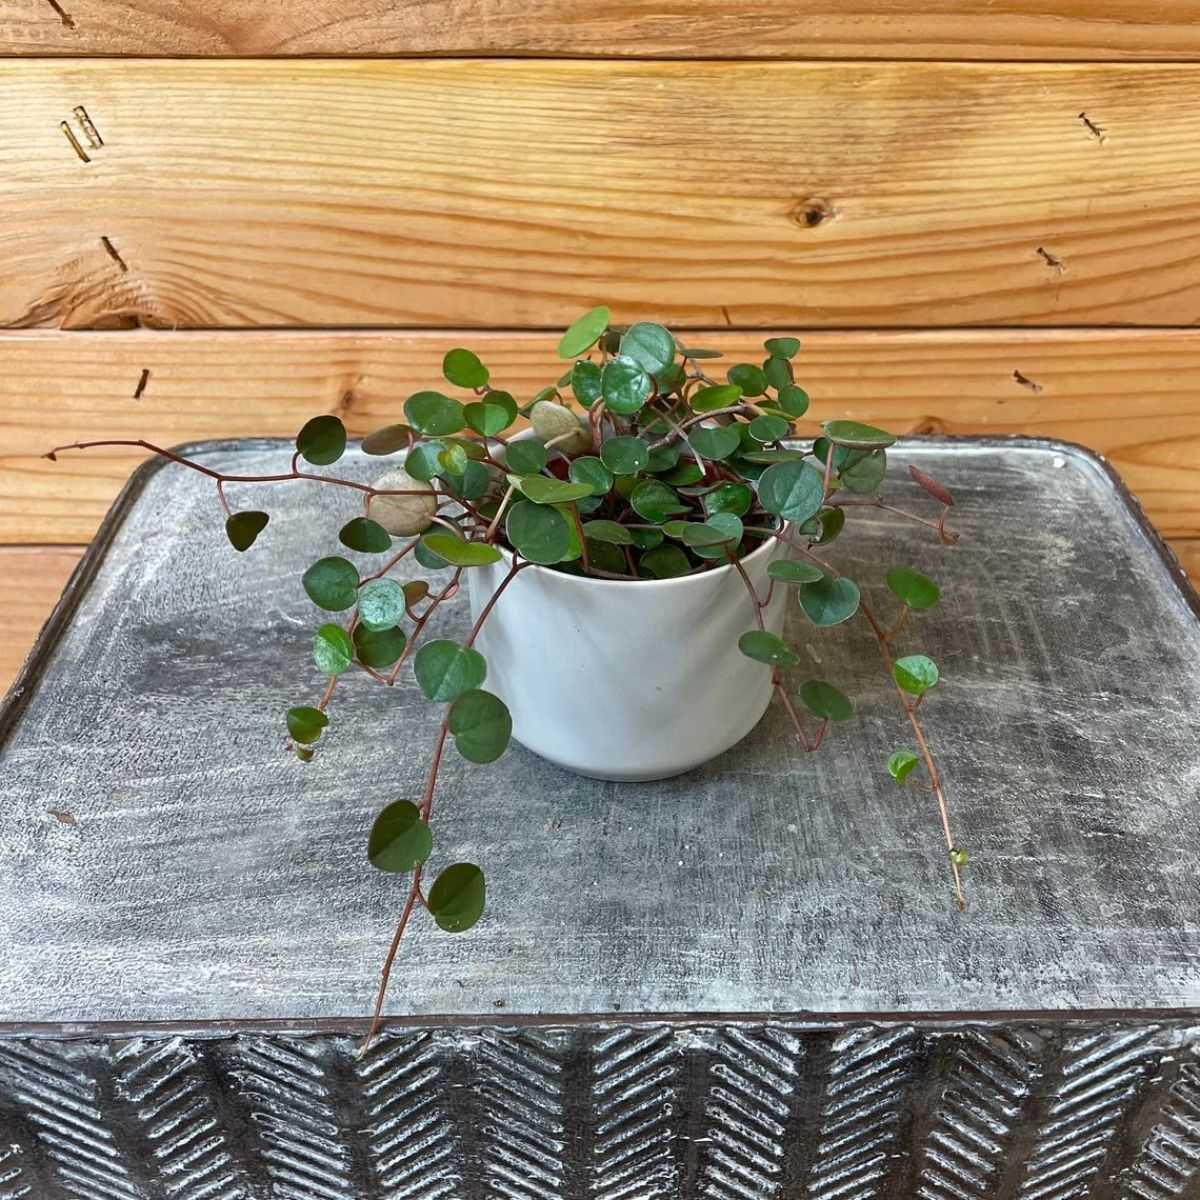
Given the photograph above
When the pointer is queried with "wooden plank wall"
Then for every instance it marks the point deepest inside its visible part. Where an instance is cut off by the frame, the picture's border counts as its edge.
(222, 217)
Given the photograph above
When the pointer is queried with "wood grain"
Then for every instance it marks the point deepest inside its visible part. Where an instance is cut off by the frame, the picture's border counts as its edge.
(1129, 394)
(1187, 550)
(968, 29)
(31, 578)
(281, 193)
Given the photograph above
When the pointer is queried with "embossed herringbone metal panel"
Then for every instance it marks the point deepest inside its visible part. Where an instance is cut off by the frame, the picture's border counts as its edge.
(743, 1111)
(185, 965)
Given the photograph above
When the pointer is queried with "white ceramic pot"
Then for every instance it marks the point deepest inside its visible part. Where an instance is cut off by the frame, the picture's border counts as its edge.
(627, 680)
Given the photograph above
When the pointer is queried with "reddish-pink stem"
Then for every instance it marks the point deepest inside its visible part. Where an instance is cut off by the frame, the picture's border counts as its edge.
(882, 636)
(426, 807)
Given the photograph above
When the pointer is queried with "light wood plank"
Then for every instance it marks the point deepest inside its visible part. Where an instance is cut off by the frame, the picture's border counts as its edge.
(31, 579)
(969, 29)
(282, 193)
(1188, 553)
(1130, 394)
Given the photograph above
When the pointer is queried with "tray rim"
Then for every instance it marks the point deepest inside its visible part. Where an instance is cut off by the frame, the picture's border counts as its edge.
(19, 694)
(807, 1020)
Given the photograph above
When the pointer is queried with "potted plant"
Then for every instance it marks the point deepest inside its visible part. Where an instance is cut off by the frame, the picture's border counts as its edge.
(629, 557)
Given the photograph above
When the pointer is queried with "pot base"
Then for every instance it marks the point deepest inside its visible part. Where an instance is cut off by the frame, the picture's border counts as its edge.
(610, 775)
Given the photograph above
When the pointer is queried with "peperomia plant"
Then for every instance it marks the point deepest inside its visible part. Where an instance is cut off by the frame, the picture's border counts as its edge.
(638, 464)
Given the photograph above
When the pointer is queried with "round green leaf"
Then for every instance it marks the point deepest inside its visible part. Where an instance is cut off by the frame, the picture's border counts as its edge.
(584, 332)
(460, 553)
(457, 897)
(626, 385)
(593, 472)
(777, 372)
(607, 531)
(415, 590)
(716, 441)
(663, 459)
(789, 570)
(825, 701)
(829, 601)
(378, 648)
(832, 521)
(305, 724)
(650, 346)
(605, 556)
(769, 428)
(538, 532)
(387, 440)
(332, 584)
(365, 536)
(793, 401)
(452, 458)
(913, 588)
(322, 441)
(424, 461)
(433, 413)
(585, 383)
(793, 490)
(400, 840)
(735, 498)
(782, 347)
(575, 544)
(664, 562)
(688, 472)
(333, 651)
(242, 528)
(865, 474)
(481, 726)
(688, 352)
(488, 419)
(624, 455)
(854, 435)
(901, 763)
(916, 674)
(717, 395)
(778, 455)
(714, 538)
(958, 856)
(655, 501)
(542, 490)
(472, 484)
(767, 648)
(463, 369)
(427, 558)
(701, 534)
(381, 604)
(445, 670)
(526, 457)
(749, 378)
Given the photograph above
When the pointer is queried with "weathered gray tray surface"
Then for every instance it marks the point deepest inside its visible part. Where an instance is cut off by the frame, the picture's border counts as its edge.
(210, 877)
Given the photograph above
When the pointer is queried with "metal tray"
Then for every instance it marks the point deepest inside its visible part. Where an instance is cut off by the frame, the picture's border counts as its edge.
(745, 936)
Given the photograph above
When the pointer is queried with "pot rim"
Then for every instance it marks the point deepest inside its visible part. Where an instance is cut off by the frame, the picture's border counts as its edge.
(678, 580)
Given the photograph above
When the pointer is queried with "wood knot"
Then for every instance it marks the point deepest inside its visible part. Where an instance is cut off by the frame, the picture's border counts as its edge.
(813, 211)
(928, 425)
